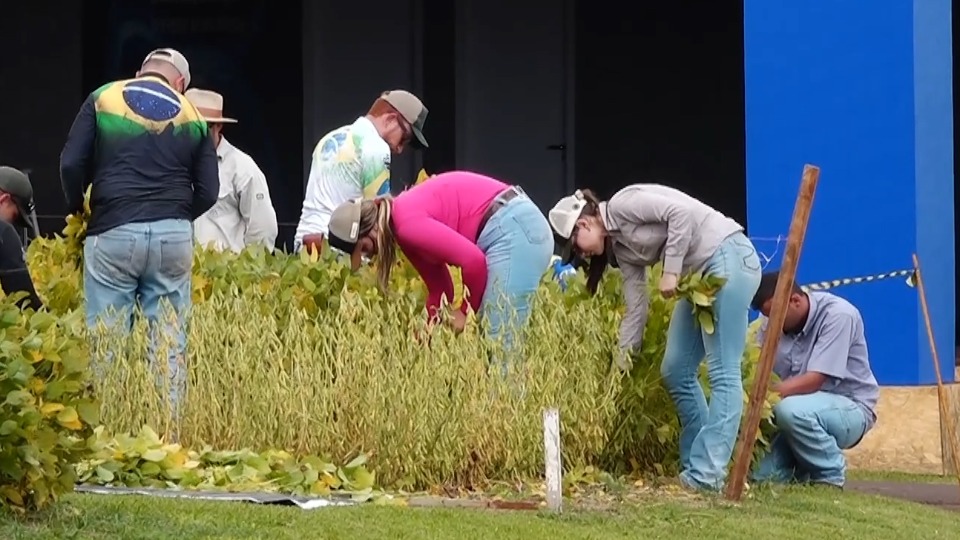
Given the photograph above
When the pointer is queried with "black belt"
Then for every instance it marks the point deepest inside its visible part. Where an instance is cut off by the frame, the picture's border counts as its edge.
(498, 202)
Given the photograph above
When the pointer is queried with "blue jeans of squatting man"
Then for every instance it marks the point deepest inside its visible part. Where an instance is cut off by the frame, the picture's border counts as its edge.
(813, 430)
(708, 432)
(145, 264)
(518, 243)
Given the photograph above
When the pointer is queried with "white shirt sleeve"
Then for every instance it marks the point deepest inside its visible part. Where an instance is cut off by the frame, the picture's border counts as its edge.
(256, 207)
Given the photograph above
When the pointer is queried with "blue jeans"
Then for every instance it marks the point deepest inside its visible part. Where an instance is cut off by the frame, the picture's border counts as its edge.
(708, 432)
(813, 431)
(518, 243)
(147, 265)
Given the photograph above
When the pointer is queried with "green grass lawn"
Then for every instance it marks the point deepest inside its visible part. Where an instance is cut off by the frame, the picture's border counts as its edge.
(800, 513)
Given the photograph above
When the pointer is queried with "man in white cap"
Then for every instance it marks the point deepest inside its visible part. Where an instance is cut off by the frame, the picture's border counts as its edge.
(243, 214)
(354, 160)
(148, 155)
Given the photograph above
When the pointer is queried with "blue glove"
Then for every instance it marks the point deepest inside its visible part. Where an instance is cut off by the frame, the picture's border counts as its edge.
(562, 271)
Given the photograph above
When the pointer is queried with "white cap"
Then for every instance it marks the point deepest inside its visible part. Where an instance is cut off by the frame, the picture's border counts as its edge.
(174, 58)
(564, 215)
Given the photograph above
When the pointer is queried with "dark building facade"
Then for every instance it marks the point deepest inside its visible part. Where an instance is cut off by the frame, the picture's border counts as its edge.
(547, 94)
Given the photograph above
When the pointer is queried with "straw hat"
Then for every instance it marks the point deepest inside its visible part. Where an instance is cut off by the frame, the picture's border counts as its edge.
(209, 104)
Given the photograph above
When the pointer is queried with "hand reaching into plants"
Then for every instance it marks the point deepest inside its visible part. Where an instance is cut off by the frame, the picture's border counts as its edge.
(623, 360)
(458, 320)
(668, 285)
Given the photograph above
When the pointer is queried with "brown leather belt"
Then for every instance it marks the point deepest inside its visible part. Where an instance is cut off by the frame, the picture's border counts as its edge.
(498, 202)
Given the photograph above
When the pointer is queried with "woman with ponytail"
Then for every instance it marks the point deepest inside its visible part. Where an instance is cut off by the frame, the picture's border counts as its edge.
(640, 226)
(492, 231)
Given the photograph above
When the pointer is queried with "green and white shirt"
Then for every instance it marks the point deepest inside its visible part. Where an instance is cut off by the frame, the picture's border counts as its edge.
(349, 162)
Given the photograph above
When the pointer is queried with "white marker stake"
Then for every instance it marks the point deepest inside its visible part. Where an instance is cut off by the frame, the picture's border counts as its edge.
(551, 447)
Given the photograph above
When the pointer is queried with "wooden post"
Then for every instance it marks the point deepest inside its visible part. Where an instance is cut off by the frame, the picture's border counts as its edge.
(771, 338)
(949, 396)
(948, 417)
(551, 447)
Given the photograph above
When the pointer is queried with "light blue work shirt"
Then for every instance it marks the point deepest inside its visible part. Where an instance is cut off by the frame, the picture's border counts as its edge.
(832, 342)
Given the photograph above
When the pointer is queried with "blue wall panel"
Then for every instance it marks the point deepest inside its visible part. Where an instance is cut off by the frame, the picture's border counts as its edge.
(861, 89)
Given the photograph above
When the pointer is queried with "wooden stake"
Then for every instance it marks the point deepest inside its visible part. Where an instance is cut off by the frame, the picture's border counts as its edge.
(946, 423)
(553, 466)
(771, 338)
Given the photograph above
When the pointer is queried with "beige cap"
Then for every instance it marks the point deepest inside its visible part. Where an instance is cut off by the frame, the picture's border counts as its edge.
(563, 219)
(343, 231)
(174, 58)
(210, 105)
(564, 215)
(411, 109)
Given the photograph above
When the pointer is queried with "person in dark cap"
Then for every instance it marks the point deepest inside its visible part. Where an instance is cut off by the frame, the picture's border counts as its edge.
(827, 387)
(16, 207)
(354, 161)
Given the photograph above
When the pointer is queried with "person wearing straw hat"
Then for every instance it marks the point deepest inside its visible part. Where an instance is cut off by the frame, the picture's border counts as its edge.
(828, 390)
(243, 215)
(16, 207)
(354, 161)
(645, 224)
(146, 154)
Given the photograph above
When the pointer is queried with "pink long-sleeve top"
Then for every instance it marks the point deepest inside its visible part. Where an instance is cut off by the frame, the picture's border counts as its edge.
(437, 224)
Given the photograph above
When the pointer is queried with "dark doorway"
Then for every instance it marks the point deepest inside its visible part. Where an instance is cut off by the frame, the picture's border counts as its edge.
(250, 51)
(439, 84)
(660, 98)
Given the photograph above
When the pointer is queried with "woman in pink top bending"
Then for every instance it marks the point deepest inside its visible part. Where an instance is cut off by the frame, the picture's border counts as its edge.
(492, 231)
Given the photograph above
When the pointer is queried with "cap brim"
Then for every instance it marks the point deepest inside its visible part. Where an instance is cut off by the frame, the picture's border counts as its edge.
(28, 220)
(349, 248)
(419, 141)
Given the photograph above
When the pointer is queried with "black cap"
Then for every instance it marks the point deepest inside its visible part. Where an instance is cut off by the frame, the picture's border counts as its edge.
(17, 184)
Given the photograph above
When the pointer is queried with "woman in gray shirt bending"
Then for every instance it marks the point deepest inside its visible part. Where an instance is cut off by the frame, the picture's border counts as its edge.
(644, 224)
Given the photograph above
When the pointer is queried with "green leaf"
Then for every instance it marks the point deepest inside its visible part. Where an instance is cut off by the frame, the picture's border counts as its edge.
(18, 398)
(356, 462)
(104, 475)
(8, 427)
(150, 470)
(89, 412)
(154, 455)
(705, 318)
(701, 299)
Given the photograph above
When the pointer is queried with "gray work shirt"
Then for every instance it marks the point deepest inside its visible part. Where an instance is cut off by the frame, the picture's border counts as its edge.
(832, 342)
(650, 223)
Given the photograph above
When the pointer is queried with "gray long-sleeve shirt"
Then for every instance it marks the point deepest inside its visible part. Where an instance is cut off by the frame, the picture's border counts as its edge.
(649, 223)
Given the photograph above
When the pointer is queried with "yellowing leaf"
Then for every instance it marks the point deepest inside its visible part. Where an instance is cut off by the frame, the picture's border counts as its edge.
(422, 176)
(74, 425)
(49, 409)
(37, 386)
(67, 415)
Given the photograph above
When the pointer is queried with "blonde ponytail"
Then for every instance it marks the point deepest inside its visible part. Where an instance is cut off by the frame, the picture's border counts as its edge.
(386, 243)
